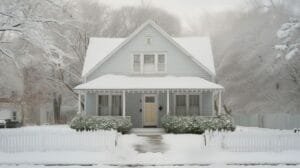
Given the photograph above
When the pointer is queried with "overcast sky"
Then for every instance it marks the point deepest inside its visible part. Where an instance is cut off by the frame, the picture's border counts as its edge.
(186, 10)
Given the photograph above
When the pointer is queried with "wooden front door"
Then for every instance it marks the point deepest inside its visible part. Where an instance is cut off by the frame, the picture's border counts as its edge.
(150, 110)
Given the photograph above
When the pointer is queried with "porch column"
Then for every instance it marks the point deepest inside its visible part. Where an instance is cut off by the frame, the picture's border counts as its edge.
(219, 109)
(168, 102)
(124, 104)
(79, 104)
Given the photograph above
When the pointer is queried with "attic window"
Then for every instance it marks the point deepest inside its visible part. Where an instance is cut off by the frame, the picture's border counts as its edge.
(149, 62)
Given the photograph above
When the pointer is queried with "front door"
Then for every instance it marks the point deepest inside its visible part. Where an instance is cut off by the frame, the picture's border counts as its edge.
(150, 110)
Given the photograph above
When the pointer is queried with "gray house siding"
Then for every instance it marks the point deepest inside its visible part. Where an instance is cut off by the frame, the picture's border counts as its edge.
(133, 106)
(134, 102)
(162, 101)
(178, 64)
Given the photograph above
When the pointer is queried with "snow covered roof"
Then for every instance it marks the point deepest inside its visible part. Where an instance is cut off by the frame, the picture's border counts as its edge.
(97, 50)
(121, 82)
(198, 48)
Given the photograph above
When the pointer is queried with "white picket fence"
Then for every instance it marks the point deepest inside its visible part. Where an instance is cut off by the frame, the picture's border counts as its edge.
(261, 143)
(54, 138)
(268, 120)
(253, 141)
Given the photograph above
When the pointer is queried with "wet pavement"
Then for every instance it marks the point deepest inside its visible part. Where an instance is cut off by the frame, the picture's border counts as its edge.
(153, 143)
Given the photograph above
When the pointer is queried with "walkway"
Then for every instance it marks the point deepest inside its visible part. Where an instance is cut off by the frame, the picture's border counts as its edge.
(153, 140)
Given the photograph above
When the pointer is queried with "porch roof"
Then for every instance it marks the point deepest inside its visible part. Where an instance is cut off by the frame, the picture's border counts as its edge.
(121, 82)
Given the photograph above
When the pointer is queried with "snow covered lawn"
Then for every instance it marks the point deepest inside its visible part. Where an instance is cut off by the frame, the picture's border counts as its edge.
(55, 138)
(184, 150)
(188, 148)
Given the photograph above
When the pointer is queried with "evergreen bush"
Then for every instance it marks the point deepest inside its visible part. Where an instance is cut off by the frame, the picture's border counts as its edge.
(197, 124)
(88, 123)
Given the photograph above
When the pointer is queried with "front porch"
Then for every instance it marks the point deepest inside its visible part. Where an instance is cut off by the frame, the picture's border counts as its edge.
(146, 104)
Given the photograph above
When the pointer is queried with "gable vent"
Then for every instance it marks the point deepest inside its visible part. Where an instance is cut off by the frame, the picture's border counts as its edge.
(148, 38)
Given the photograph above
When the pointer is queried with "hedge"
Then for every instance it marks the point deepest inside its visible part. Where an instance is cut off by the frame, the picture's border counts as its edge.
(81, 123)
(196, 124)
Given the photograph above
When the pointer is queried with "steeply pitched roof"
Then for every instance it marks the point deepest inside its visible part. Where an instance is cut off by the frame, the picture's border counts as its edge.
(100, 49)
(199, 48)
(97, 50)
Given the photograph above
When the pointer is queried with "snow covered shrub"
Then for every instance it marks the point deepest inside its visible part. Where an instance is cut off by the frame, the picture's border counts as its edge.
(196, 124)
(81, 123)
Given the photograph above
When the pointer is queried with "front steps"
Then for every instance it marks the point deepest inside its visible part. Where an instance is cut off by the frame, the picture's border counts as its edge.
(147, 131)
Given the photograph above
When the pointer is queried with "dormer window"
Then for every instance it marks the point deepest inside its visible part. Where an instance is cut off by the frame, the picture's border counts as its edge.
(149, 63)
(161, 63)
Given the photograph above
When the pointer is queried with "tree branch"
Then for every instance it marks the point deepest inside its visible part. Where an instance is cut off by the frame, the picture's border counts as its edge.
(10, 29)
(5, 14)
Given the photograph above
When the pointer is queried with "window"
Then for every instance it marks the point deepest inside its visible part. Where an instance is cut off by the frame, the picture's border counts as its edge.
(103, 105)
(150, 99)
(110, 105)
(161, 63)
(116, 105)
(149, 63)
(187, 104)
(181, 104)
(136, 63)
(14, 115)
(194, 104)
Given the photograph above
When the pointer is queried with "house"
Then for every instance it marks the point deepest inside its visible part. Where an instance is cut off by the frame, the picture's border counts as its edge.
(9, 110)
(148, 75)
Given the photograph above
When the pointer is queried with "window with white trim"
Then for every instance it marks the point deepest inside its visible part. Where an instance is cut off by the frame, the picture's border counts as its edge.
(181, 106)
(116, 105)
(149, 63)
(137, 63)
(194, 103)
(110, 105)
(161, 63)
(187, 104)
(103, 108)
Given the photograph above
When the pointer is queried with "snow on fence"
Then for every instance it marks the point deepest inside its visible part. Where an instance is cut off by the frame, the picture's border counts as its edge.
(268, 120)
(254, 141)
(51, 138)
(261, 142)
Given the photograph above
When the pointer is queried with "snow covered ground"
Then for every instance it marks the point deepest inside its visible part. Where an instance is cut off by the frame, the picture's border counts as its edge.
(166, 166)
(184, 150)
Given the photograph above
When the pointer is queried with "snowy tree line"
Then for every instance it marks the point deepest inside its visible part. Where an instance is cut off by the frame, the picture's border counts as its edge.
(43, 45)
(258, 75)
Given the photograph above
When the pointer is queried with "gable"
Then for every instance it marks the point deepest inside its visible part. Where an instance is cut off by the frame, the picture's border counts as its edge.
(178, 64)
(197, 49)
